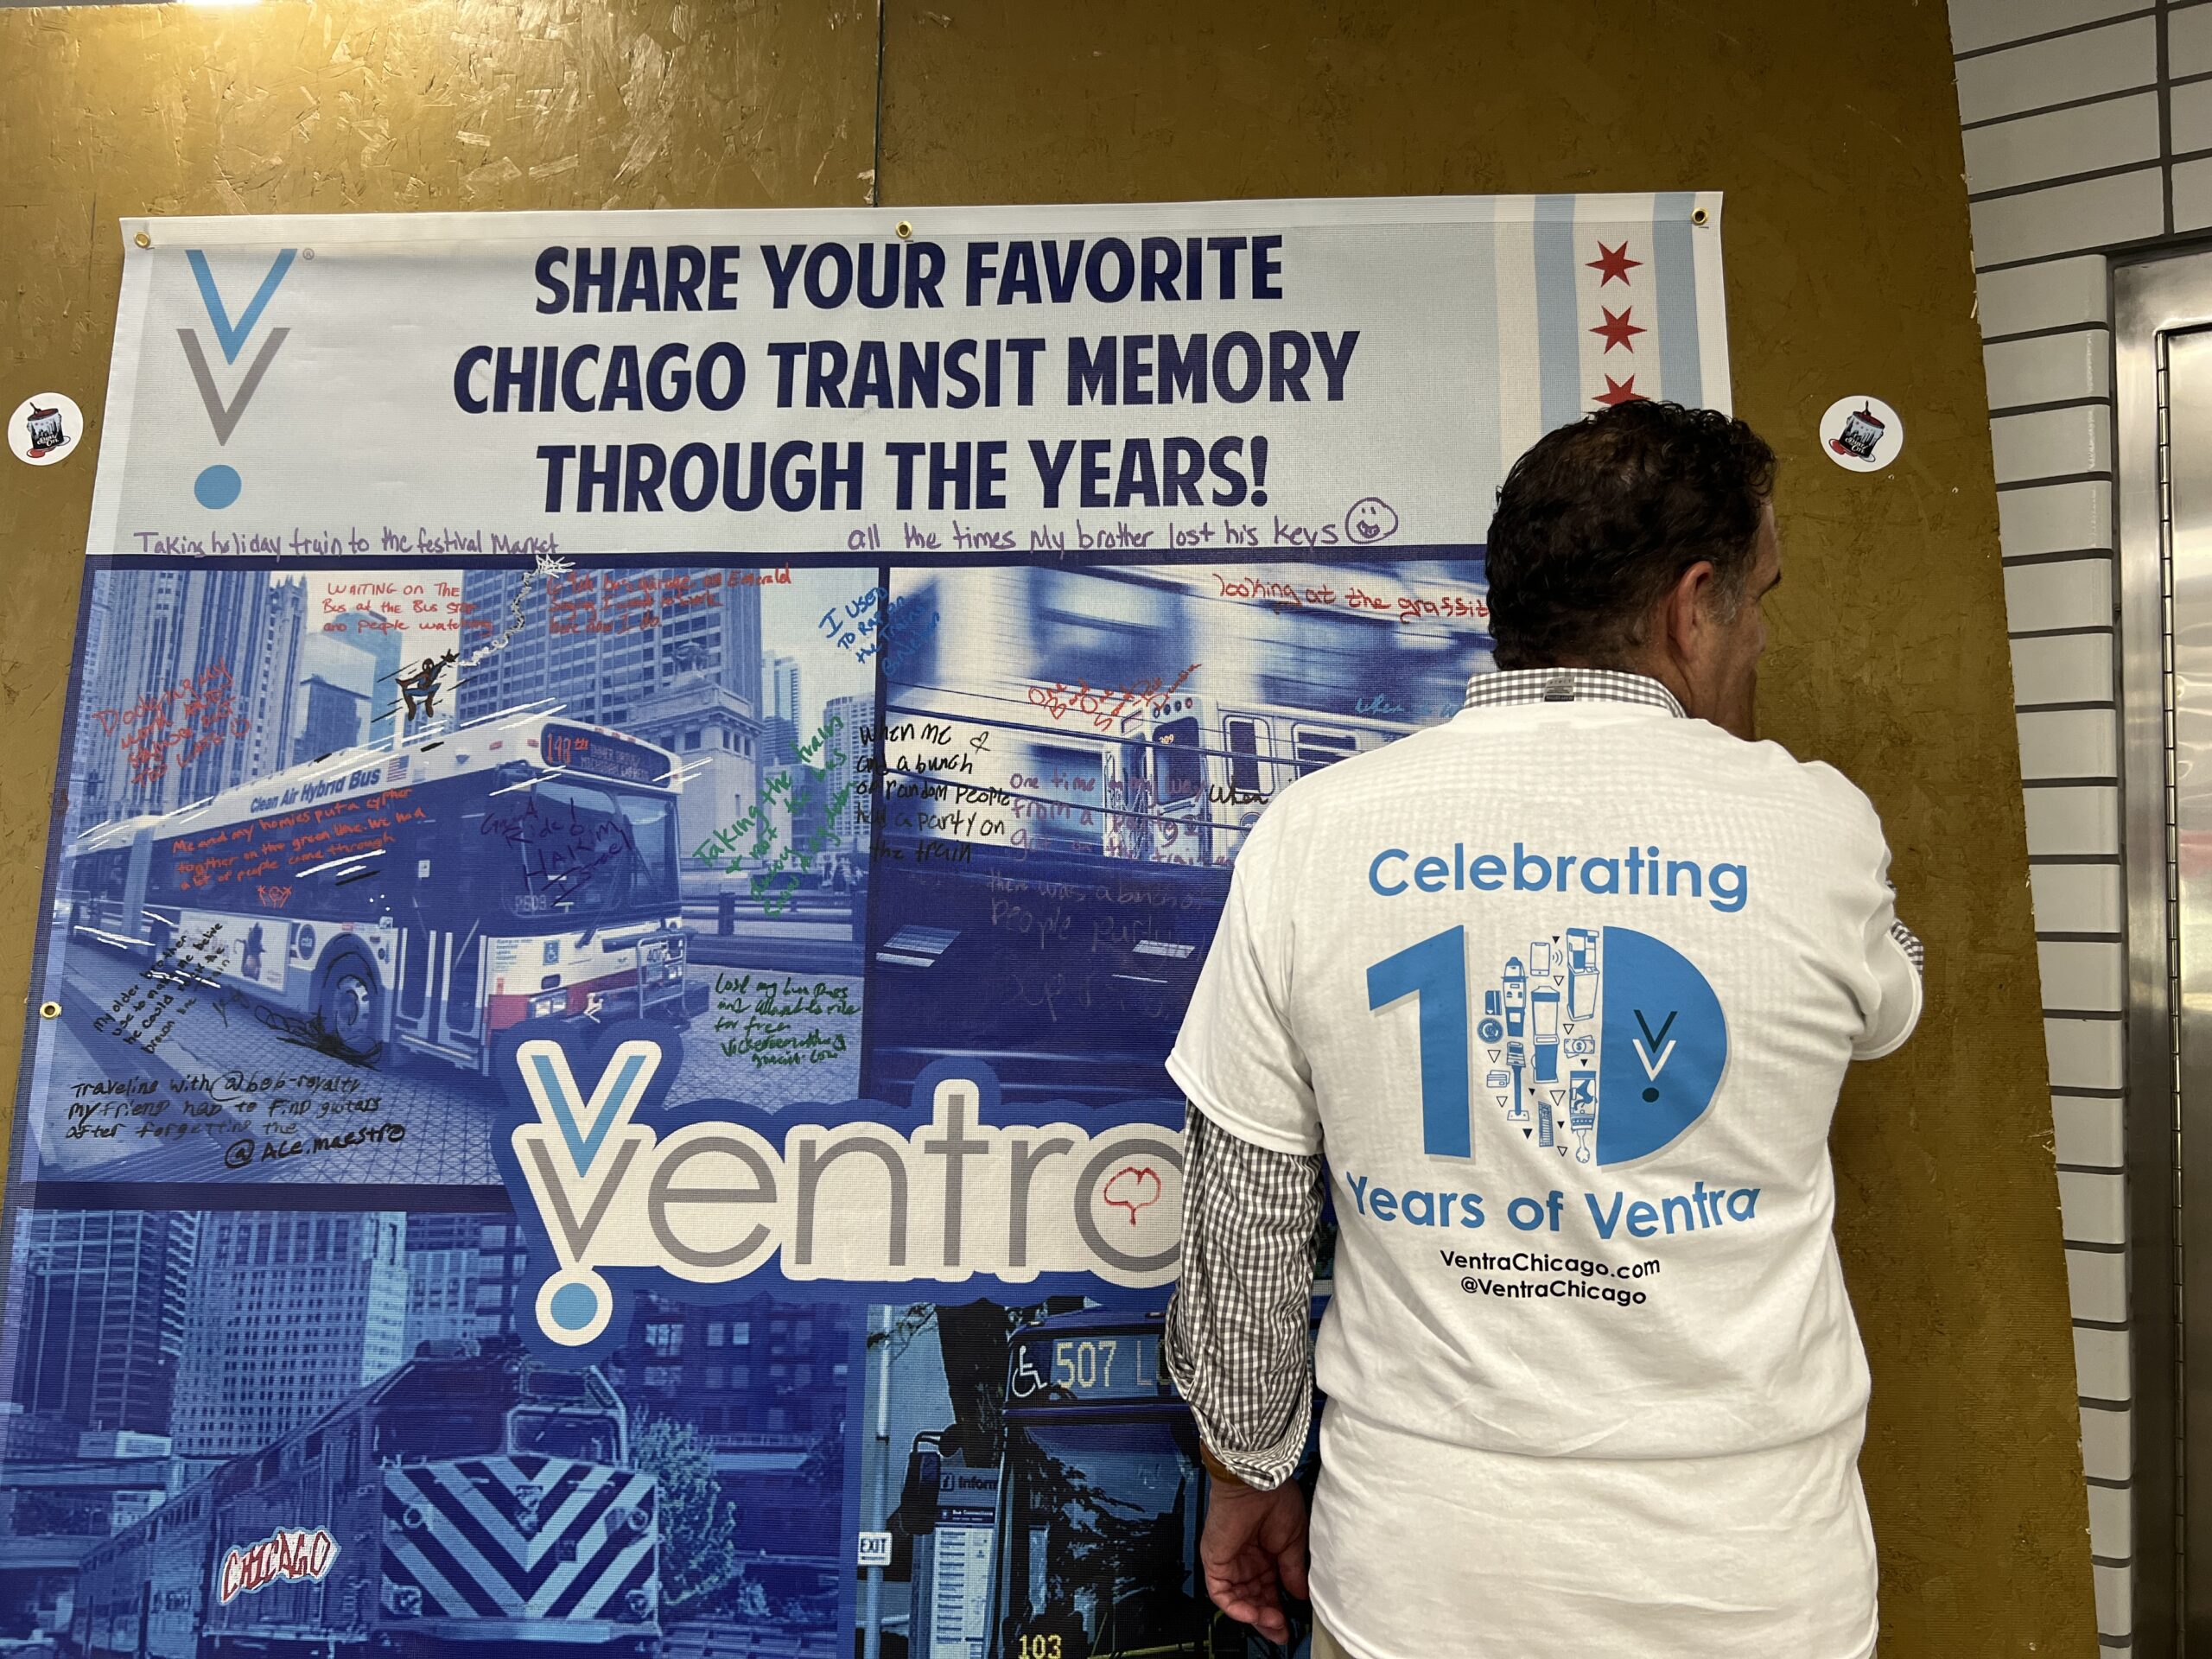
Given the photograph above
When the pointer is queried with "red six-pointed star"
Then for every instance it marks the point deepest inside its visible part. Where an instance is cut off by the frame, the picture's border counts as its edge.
(1617, 328)
(1611, 263)
(1621, 392)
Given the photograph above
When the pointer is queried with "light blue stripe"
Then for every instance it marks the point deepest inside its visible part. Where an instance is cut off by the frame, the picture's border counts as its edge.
(1558, 339)
(1674, 245)
(1482, 438)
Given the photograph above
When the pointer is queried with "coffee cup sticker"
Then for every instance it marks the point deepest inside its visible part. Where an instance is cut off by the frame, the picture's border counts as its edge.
(1861, 433)
(45, 428)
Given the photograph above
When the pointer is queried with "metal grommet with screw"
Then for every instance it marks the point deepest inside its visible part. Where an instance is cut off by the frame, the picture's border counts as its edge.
(143, 241)
(49, 1010)
(1700, 217)
(905, 230)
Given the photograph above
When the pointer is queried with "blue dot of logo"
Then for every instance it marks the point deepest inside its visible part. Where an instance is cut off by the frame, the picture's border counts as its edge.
(217, 488)
(574, 1306)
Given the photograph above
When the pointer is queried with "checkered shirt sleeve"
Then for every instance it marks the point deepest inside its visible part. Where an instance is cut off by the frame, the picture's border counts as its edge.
(1908, 942)
(1236, 1340)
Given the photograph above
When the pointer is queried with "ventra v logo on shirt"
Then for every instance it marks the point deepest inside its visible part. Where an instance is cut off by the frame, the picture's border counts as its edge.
(232, 338)
(1604, 1045)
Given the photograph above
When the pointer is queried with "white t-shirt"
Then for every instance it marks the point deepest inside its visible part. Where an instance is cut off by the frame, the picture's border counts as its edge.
(1566, 992)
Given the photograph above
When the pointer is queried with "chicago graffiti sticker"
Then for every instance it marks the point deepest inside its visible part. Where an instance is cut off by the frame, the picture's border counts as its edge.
(1861, 433)
(45, 428)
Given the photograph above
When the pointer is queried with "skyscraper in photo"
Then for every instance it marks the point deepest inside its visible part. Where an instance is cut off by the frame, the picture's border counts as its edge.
(780, 742)
(379, 638)
(441, 1259)
(337, 690)
(852, 719)
(291, 1311)
(100, 1301)
(277, 679)
(169, 714)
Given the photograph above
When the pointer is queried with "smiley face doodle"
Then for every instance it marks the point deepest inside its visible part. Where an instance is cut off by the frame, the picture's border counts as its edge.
(1370, 519)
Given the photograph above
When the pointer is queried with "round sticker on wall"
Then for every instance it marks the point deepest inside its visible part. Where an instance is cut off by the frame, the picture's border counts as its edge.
(1861, 433)
(45, 428)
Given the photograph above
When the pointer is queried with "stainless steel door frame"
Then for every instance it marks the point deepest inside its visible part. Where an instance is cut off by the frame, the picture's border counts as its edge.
(2169, 1215)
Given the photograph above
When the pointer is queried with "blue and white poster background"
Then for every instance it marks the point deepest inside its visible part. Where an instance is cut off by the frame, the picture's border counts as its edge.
(646, 792)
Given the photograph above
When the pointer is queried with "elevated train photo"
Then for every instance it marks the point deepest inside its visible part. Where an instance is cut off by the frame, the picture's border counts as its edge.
(1071, 761)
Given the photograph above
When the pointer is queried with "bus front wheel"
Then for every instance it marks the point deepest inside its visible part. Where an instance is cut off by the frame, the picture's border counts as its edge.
(351, 1005)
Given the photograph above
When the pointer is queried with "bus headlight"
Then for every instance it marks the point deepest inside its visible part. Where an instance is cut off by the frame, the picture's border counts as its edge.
(551, 1005)
(403, 1600)
(638, 1603)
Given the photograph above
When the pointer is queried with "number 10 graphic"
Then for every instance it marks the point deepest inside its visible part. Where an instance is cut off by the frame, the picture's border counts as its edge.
(1661, 1040)
(1435, 971)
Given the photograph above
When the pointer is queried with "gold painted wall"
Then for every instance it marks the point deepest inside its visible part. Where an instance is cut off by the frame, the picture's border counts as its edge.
(1832, 128)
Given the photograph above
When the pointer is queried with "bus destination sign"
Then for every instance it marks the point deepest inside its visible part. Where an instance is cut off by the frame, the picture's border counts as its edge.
(1122, 1365)
(575, 749)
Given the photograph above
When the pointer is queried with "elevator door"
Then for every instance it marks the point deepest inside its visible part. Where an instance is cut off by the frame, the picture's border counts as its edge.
(2163, 393)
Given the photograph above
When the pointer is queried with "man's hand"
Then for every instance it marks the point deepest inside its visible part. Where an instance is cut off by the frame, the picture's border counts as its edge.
(1255, 1548)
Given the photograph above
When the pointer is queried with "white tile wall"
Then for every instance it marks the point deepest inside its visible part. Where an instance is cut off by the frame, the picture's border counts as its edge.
(2039, 114)
(2192, 194)
(2054, 518)
(2095, 1207)
(2047, 296)
(2113, 1588)
(2063, 668)
(2064, 594)
(2098, 1282)
(2107, 1453)
(1978, 23)
(2082, 975)
(2078, 898)
(2068, 743)
(2073, 821)
(2189, 42)
(2086, 215)
(2116, 58)
(2051, 443)
(2112, 1531)
(2087, 138)
(2087, 1131)
(2049, 368)
(2083, 1053)
(2100, 1362)
(2191, 120)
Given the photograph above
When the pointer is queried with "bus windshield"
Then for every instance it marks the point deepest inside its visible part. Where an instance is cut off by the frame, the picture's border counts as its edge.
(583, 850)
(1102, 1530)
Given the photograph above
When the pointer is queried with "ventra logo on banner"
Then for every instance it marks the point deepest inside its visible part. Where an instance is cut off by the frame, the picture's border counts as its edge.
(691, 1201)
(217, 487)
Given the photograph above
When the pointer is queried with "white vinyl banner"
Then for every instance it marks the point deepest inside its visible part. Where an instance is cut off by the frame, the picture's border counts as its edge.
(938, 383)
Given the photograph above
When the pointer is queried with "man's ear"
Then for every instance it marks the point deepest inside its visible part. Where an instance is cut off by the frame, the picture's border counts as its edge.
(1685, 614)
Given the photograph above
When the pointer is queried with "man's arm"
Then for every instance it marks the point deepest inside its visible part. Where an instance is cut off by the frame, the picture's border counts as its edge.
(1237, 1334)
(1236, 1346)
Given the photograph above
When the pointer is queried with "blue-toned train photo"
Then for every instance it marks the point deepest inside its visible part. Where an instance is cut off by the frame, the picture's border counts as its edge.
(464, 1502)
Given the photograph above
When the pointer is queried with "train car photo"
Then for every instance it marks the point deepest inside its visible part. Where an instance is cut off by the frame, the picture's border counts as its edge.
(462, 1504)
(1070, 759)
